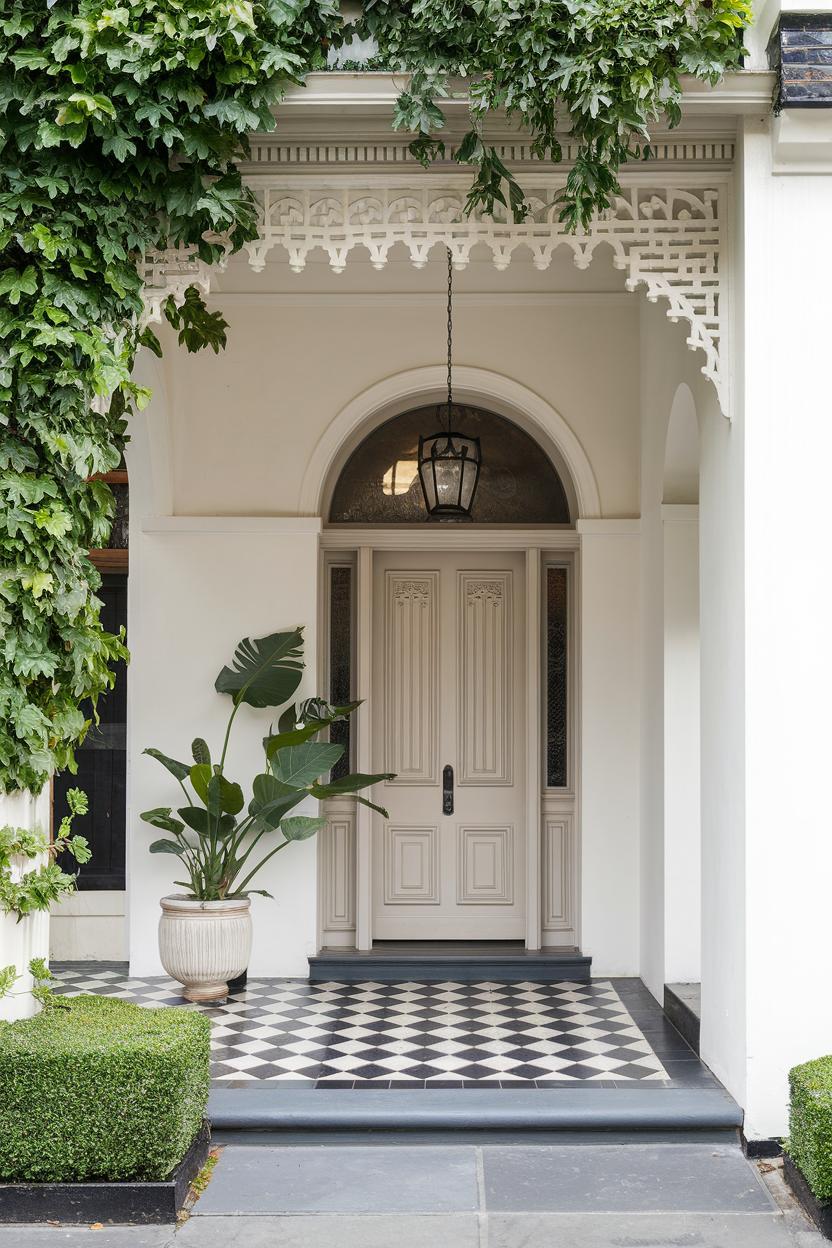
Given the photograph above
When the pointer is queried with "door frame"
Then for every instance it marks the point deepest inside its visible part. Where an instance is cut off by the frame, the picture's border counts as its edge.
(541, 546)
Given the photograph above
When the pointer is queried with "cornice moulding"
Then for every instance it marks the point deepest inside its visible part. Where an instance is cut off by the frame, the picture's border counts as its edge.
(747, 91)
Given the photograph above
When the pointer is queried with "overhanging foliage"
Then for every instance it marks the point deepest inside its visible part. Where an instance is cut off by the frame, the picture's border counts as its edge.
(603, 70)
(122, 125)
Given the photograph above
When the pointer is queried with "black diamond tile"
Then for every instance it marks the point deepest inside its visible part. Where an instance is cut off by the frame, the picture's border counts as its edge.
(299, 1030)
(575, 1070)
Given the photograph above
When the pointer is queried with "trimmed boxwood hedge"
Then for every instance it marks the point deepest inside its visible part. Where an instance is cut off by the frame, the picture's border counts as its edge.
(810, 1123)
(102, 1089)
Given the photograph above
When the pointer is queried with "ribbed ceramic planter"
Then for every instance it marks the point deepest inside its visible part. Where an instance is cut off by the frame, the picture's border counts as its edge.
(203, 944)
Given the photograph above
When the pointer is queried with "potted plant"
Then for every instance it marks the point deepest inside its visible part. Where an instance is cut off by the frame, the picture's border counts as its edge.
(205, 933)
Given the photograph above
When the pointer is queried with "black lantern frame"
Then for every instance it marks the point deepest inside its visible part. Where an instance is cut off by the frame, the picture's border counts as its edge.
(449, 462)
(449, 470)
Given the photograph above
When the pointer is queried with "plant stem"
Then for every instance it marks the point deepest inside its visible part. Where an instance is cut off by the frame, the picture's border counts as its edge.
(261, 864)
(237, 706)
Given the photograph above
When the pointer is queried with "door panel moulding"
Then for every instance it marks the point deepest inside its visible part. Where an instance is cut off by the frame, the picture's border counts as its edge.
(670, 238)
(549, 873)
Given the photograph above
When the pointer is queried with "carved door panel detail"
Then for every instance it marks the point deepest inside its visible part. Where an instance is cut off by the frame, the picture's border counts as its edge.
(485, 677)
(450, 631)
(485, 871)
(410, 701)
(411, 866)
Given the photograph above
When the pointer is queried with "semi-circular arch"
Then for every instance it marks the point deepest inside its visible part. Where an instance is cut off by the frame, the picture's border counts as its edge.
(414, 387)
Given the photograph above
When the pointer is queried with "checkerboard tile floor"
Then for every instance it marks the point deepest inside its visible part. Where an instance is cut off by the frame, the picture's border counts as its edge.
(407, 1034)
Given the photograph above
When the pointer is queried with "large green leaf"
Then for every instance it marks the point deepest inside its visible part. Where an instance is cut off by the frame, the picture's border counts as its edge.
(265, 671)
(199, 775)
(205, 824)
(296, 736)
(305, 722)
(272, 799)
(301, 827)
(225, 795)
(166, 847)
(351, 785)
(300, 765)
(161, 817)
(215, 791)
(180, 770)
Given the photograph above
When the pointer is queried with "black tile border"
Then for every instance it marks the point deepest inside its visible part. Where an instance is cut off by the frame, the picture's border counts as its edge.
(134, 1202)
(820, 1211)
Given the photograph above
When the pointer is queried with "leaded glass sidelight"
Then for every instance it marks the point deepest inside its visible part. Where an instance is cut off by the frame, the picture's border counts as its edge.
(340, 658)
(518, 483)
(557, 677)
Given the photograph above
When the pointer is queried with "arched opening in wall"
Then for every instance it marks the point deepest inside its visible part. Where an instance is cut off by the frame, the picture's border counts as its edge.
(682, 831)
(379, 482)
(680, 484)
(459, 639)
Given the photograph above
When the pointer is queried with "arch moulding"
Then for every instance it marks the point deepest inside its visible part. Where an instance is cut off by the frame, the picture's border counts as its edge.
(419, 386)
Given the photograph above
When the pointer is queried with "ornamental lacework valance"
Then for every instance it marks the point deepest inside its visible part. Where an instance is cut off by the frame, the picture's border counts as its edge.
(669, 240)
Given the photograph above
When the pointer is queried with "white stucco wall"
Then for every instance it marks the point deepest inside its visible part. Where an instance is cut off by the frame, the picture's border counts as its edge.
(610, 706)
(194, 594)
(788, 659)
(231, 436)
(247, 421)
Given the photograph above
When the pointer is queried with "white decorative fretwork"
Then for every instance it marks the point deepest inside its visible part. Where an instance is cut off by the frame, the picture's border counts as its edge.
(671, 240)
(171, 272)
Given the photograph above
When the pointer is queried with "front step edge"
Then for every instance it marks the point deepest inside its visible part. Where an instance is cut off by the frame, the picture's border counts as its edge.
(353, 968)
(318, 1111)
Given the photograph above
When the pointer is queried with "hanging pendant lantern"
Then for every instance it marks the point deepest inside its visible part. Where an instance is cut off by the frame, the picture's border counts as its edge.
(449, 462)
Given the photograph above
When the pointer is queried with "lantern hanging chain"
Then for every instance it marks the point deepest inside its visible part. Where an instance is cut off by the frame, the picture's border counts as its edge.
(450, 334)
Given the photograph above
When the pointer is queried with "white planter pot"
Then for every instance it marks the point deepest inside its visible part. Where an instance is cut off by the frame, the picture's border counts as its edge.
(203, 944)
(29, 938)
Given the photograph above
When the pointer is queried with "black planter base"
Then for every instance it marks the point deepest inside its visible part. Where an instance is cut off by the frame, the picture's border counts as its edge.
(124, 1202)
(820, 1211)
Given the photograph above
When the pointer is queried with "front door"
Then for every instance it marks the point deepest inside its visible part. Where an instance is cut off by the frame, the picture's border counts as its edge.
(449, 680)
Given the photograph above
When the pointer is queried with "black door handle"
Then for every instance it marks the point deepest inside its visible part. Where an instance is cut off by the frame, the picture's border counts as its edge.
(447, 789)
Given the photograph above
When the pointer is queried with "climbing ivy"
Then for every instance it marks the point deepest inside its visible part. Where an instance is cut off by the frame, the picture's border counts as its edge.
(122, 126)
(601, 70)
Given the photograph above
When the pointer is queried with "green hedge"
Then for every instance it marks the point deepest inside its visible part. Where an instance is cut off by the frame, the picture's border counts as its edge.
(101, 1090)
(810, 1123)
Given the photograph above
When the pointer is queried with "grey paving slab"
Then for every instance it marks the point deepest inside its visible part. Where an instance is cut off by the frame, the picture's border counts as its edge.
(646, 1230)
(438, 1230)
(357, 1179)
(690, 1178)
(83, 1236)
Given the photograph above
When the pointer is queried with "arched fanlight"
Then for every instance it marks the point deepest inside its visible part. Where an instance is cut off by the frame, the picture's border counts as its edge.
(449, 462)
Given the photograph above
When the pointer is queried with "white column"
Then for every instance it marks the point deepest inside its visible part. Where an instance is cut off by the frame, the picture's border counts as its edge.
(788, 270)
(364, 816)
(767, 846)
(682, 848)
(609, 743)
(27, 938)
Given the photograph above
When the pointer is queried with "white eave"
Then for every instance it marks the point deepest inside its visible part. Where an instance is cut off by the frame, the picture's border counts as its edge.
(374, 94)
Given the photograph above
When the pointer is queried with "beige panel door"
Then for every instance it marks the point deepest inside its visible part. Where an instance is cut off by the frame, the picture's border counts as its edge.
(449, 681)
